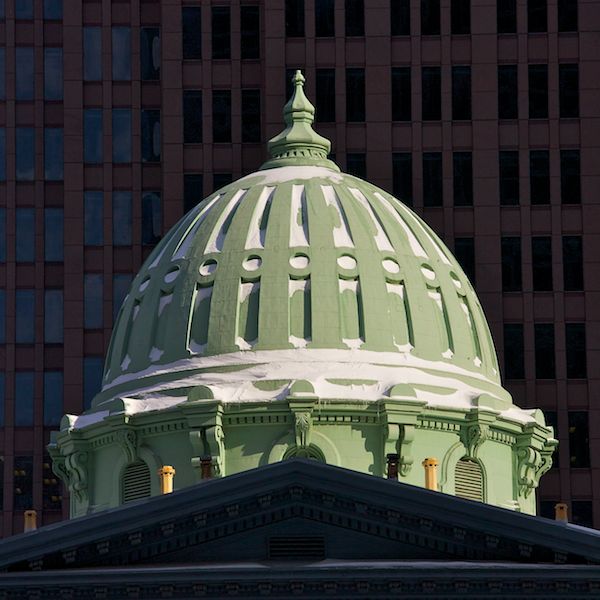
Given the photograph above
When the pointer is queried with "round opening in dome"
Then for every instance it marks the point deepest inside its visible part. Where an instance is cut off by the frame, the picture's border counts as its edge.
(299, 261)
(171, 275)
(208, 267)
(252, 263)
(346, 262)
(391, 266)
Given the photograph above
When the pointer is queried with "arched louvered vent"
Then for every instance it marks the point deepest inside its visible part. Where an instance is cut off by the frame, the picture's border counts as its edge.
(468, 480)
(135, 482)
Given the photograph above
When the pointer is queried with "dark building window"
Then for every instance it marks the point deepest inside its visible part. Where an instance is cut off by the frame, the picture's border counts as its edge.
(24, 76)
(150, 53)
(356, 164)
(552, 421)
(25, 235)
(2, 234)
(221, 100)
(510, 249)
(25, 316)
(121, 53)
(221, 179)
(506, 14)
(461, 93)
(324, 18)
(2, 73)
(251, 116)
(221, 32)
(93, 295)
(192, 28)
(151, 218)
(570, 176)
(431, 92)
(402, 177)
(53, 73)
(2, 338)
(53, 154)
(401, 94)
(53, 10)
(462, 163)
(544, 350)
(400, 17)
(23, 482)
(537, 16)
(25, 159)
(94, 218)
(567, 15)
(509, 177)
(432, 179)
(121, 218)
(568, 89)
(121, 285)
(250, 35)
(572, 250)
(2, 154)
(355, 95)
(121, 135)
(508, 101)
(192, 117)
(575, 350)
(541, 258)
(325, 95)
(53, 234)
(460, 16)
(430, 17)
(514, 353)
(92, 379)
(24, 391)
(355, 18)
(193, 185)
(92, 53)
(92, 135)
(581, 510)
(51, 486)
(579, 442)
(151, 135)
(464, 251)
(294, 18)
(53, 397)
(539, 176)
(24, 9)
(53, 316)
(538, 91)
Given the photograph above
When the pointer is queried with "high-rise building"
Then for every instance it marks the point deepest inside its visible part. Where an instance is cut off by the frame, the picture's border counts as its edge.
(116, 117)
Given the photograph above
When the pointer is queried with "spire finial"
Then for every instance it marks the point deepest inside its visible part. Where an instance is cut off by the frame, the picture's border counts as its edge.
(299, 144)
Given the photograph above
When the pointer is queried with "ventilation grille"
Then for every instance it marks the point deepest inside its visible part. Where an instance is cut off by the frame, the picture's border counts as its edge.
(469, 480)
(295, 548)
(136, 482)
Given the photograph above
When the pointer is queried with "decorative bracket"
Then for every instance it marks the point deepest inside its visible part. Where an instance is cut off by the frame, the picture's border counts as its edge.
(127, 439)
(76, 468)
(534, 457)
(476, 431)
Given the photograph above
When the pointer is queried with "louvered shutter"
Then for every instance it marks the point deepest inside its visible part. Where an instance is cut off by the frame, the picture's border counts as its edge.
(135, 482)
(468, 480)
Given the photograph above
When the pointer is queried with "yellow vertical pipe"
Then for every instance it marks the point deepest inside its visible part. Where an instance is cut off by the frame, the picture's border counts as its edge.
(430, 465)
(30, 520)
(561, 512)
(166, 474)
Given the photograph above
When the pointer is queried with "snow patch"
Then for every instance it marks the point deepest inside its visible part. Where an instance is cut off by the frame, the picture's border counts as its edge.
(256, 235)
(381, 239)
(341, 232)
(298, 224)
(217, 236)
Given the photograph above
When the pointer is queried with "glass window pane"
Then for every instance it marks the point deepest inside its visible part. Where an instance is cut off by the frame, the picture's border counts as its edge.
(25, 235)
(506, 14)
(400, 17)
(356, 164)
(92, 379)
(401, 94)
(462, 163)
(23, 482)
(53, 9)
(539, 176)
(572, 248)
(53, 235)
(541, 257)
(24, 390)
(2, 73)
(151, 218)
(24, 83)
(92, 135)
(93, 290)
(579, 439)
(121, 135)
(221, 179)
(355, 17)
(461, 93)
(432, 179)
(402, 185)
(575, 350)
(2, 413)
(2, 316)
(464, 250)
(53, 154)
(511, 264)
(568, 87)
(2, 234)
(121, 285)
(25, 316)
(514, 353)
(192, 31)
(53, 316)
(221, 116)
(53, 397)
(24, 9)
(431, 93)
(121, 218)
(294, 18)
(92, 53)
(355, 95)
(53, 73)
(192, 117)
(537, 16)
(221, 31)
(430, 17)
(151, 135)
(460, 16)
(508, 105)
(250, 23)
(2, 154)
(325, 96)
(121, 53)
(250, 116)
(570, 176)
(538, 91)
(94, 218)
(567, 15)
(150, 53)
(509, 177)
(193, 185)
(544, 351)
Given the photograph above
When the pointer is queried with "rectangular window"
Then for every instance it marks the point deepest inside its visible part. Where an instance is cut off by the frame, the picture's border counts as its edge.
(151, 218)
(23, 482)
(221, 31)
(150, 53)
(325, 95)
(121, 285)
(92, 53)
(121, 135)
(53, 154)
(53, 397)
(572, 254)
(432, 179)
(51, 487)
(514, 353)
(250, 34)
(92, 135)
(430, 17)
(2, 73)
(2, 324)
(509, 177)
(402, 180)
(552, 421)
(24, 391)
(2, 234)
(150, 135)
(251, 116)
(510, 249)
(294, 18)
(92, 379)
(464, 250)
(400, 17)
(25, 235)
(192, 116)
(25, 159)
(355, 18)
(460, 14)
(193, 190)
(355, 95)
(541, 258)
(24, 76)
(537, 16)
(93, 290)
(191, 22)
(2, 154)
(544, 351)
(221, 100)
(431, 93)
(401, 94)
(462, 163)
(53, 73)
(2, 413)
(508, 101)
(579, 442)
(324, 18)
(24, 9)
(539, 176)
(53, 235)
(121, 218)
(567, 15)
(506, 14)
(356, 164)
(568, 89)
(581, 510)
(25, 316)
(53, 316)
(570, 176)
(575, 349)
(538, 91)
(94, 218)
(461, 93)
(220, 180)
(53, 10)
(121, 53)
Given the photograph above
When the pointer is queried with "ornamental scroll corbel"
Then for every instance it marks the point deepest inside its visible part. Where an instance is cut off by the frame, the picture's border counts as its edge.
(399, 439)
(474, 436)
(302, 429)
(127, 439)
(208, 441)
(530, 464)
(76, 468)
